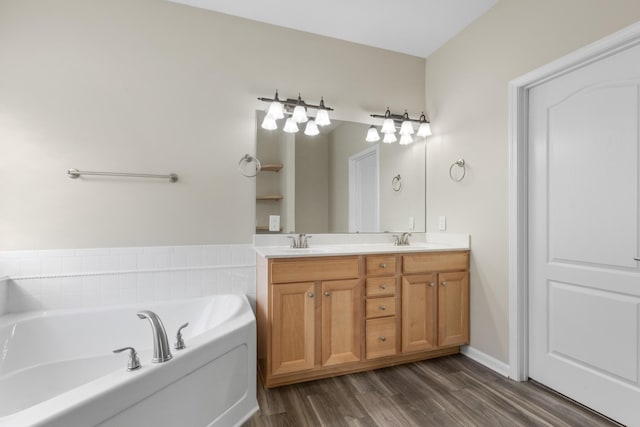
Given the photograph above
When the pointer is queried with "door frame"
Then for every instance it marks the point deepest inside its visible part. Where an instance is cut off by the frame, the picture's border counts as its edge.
(352, 161)
(518, 182)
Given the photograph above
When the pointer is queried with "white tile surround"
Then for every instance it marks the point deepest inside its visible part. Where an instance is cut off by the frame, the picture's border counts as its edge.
(52, 279)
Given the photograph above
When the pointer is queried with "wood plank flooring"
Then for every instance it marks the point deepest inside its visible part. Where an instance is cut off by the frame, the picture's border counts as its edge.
(448, 391)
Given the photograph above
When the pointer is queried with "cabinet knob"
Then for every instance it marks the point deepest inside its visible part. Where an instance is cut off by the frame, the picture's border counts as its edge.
(327, 293)
(444, 283)
(383, 265)
(383, 287)
(383, 307)
(432, 284)
(383, 338)
(311, 295)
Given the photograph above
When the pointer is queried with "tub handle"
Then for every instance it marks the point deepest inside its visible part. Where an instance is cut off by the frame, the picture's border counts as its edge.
(179, 345)
(134, 362)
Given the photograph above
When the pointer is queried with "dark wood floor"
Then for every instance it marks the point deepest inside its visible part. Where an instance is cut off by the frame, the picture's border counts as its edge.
(449, 391)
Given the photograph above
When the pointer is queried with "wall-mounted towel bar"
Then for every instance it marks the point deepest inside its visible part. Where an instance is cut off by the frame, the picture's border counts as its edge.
(75, 173)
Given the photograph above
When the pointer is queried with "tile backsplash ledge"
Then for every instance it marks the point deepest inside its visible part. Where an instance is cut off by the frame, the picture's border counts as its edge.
(78, 278)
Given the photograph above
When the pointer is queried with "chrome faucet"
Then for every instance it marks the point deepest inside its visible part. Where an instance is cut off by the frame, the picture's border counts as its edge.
(161, 350)
(300, 241)
(402, 240)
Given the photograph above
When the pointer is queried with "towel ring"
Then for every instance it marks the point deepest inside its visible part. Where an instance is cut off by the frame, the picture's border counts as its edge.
(396, 183)
(244, 161)
(460, 163)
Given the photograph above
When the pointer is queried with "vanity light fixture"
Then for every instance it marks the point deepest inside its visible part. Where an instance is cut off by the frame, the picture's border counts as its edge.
(406, 128)
(402, 121)
(424, 129)
(322, 116)
(405, 139)
(300, 111)
(290, 126)
(296, 110)
(312, 128)
(389, 138)
(372, 134)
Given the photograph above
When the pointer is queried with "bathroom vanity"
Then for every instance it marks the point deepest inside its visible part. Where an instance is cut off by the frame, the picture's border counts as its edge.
(328, 311)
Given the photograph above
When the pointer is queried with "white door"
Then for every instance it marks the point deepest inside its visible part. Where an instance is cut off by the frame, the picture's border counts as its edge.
(364, 216)
(584, 284)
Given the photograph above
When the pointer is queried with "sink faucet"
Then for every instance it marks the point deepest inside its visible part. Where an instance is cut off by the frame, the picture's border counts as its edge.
(161, 350)
(402, 240)
(300, 241)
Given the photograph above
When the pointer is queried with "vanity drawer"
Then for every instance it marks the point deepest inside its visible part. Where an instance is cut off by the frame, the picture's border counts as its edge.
(381, 337)
(312, 270)
(447, 261)
(378, 307)
(381, 264)
(381, 286)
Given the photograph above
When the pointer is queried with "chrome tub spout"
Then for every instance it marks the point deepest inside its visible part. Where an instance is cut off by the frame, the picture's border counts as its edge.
(161, 349)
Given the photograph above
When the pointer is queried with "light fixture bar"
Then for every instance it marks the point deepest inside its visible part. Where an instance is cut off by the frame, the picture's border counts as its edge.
(397, 117)
(294, 102)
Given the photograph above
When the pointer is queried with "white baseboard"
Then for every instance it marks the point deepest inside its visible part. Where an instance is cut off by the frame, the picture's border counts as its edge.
(486, 360)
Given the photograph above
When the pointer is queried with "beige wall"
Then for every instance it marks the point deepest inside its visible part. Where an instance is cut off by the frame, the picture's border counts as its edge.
(152, 86)
(466, 92)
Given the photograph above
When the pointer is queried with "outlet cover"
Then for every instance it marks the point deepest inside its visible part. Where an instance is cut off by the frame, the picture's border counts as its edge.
(442, 223)
(274, 222)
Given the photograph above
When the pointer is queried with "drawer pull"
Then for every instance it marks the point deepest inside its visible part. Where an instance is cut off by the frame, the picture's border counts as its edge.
(383, 287)
(383, 265)
(383, 338)
(444, 283)
(432, 284)
(327, 293)
(310, 294)
(383, 307)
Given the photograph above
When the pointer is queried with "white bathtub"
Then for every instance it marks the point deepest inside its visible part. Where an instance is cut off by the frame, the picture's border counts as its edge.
(57, 367)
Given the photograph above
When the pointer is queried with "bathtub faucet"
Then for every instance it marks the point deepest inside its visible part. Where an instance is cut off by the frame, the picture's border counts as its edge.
(161, 350)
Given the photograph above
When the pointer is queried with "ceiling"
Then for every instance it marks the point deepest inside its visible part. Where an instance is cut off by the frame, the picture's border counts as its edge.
(414, 27)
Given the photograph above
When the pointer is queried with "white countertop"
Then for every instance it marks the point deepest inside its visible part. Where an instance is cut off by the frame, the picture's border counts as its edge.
(424, 242)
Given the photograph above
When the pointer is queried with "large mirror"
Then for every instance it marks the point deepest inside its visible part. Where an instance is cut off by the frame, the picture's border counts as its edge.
(336, 182)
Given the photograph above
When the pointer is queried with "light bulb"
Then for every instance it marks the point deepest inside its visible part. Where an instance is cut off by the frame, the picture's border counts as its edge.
(424, 130)
(388, 126)
(372, 134)
(299, 114)
(311, 129)
(406, 128)
(275, 110)
(290, 126)
(406, 139)
(269, 123)
(322, 118)
(389, 138)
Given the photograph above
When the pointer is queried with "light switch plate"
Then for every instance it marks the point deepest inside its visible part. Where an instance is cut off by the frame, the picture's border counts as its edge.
(412, 223)
(442, 223)
(274, 222)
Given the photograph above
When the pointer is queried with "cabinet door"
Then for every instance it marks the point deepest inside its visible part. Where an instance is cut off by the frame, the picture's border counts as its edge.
(341, 322)
(419, 294)
(453, 309)
(293, 327)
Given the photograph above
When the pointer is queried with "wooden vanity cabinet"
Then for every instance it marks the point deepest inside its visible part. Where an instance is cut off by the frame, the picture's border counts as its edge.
(324, 316)
(435, 300)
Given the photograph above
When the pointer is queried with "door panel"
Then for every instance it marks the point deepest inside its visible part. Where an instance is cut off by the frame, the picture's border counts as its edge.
(341, 322)
(453, 308)
(582, 336)
(592, 168)
(584, 285)
(293, 330)
(419, 312)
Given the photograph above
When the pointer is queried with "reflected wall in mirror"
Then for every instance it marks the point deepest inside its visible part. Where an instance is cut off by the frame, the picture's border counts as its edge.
(336, 182)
